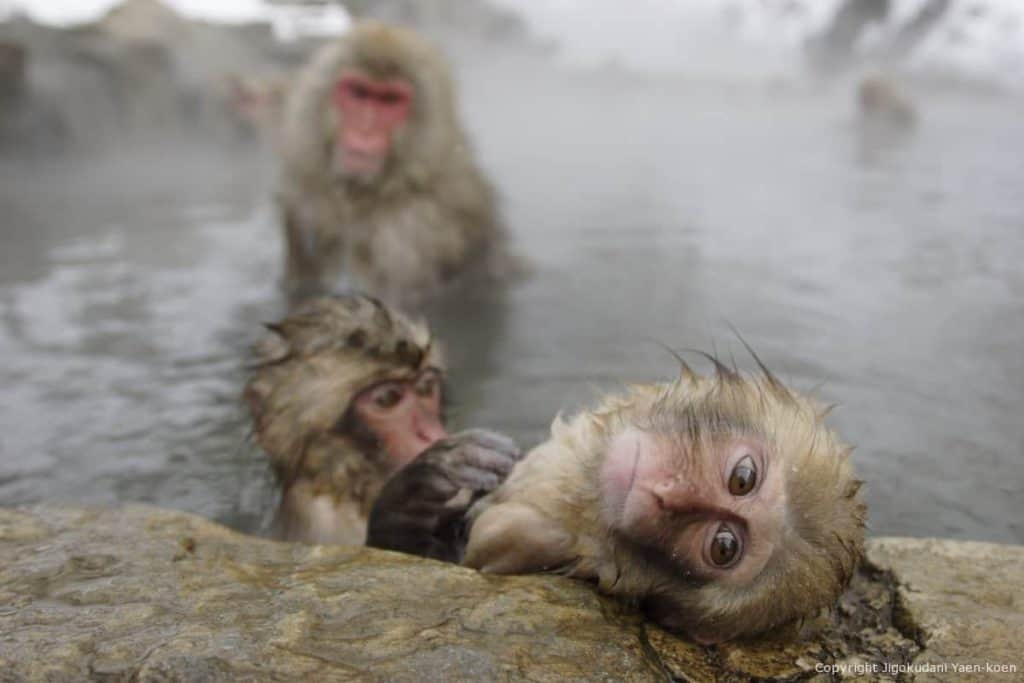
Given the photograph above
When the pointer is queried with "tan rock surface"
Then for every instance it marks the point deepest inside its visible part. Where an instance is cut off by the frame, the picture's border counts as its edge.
(963, 602)
(146, 594)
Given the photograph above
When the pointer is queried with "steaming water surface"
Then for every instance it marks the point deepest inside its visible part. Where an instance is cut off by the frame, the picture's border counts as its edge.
(886, 276)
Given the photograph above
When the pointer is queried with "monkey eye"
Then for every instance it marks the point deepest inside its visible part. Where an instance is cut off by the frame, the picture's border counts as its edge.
(391, 97)
(724, 550)
(358, 90)
(387, 395)
(743, 478)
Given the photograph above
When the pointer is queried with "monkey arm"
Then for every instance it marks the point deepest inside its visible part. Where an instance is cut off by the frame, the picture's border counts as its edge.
(422, 509)
(298, 249)
(311, 253)
(515, 538)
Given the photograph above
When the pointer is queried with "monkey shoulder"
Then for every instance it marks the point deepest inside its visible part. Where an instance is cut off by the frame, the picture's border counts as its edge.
(308, 515)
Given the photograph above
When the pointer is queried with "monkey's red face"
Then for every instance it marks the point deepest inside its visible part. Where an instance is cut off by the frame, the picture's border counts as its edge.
(716, 511)
(370, 114)
(405, 416)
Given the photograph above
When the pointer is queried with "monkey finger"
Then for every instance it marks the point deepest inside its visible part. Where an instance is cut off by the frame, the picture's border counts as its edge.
(490, 440)
(482, 468)
(461, 500)
(474, 478)
(423, 482)
(474, 455)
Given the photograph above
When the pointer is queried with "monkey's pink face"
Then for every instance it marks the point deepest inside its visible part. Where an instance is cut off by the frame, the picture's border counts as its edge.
(716, 513)
(405, 416)
(370, 114)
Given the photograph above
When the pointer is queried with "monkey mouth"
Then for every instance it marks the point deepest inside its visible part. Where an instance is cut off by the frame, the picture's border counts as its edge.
(356, 165)
(361, 161)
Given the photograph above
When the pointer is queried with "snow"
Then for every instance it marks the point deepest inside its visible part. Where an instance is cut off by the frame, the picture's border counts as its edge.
(740, 36)
(288, 23)
(64, 12)
(984, 38)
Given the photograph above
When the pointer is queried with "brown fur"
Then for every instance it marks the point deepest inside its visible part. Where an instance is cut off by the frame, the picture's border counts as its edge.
(426, 218)
(882, 103)
(551, 505)
(258, 103)
(306, 375)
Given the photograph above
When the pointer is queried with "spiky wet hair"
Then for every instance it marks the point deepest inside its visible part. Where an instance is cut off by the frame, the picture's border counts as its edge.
(317, 360)
(823, 531)
(822, 536)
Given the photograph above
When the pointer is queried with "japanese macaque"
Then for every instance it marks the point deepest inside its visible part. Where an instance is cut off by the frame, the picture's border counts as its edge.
(343, 394)
(722, 505)
(881, 105)
(379, 180)
(258, 101)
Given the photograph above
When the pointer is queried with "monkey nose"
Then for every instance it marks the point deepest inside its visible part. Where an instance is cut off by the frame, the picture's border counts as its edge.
(430, 429)
(673, 494)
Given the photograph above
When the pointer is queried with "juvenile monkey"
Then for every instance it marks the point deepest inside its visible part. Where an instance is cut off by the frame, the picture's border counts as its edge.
(722, 505)
(379, 180)
(343, 394)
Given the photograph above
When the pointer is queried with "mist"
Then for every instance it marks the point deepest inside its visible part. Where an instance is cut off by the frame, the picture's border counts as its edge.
(670, 171)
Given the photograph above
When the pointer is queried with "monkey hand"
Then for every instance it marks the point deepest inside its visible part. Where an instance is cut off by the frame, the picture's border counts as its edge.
(422, 508)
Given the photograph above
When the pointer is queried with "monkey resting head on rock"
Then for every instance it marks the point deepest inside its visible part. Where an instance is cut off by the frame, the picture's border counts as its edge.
(722, 505)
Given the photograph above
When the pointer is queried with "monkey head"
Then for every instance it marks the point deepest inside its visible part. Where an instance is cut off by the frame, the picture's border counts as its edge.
(875, 93)
(737, 501)
(344, 393)
(880, 100)
(385, 102)
(721, 504)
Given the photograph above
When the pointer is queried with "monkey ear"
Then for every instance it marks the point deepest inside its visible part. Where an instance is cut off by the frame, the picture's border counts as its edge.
(512, 538)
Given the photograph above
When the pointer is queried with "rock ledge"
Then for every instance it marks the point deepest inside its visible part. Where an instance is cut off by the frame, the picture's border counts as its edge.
(146, 594)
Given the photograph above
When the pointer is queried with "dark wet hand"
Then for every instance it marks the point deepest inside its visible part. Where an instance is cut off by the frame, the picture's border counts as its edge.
(422, 508)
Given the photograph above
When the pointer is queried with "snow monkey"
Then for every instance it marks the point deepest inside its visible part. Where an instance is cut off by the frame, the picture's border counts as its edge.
(378, 177)
(257, 103)
(721, 505)
(881, 103)
(343, 394)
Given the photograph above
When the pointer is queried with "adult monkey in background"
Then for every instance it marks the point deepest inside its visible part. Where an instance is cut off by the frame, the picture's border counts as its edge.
(883, 106)
(343, 394)
(378, 179)
(722, 505)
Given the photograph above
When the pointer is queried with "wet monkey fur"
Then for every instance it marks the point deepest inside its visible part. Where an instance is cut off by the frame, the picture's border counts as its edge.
(379, 181)
(882, 104)
(343, 393)
(722, 505)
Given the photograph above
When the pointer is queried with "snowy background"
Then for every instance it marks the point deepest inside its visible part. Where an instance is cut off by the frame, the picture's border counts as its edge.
(980, 38)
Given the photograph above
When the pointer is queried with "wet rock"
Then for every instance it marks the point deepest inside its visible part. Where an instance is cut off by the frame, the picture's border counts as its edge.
(142, 75)
(148, 594)
(28, 121)
(145, 21)
(13, 65)
(961, 601)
